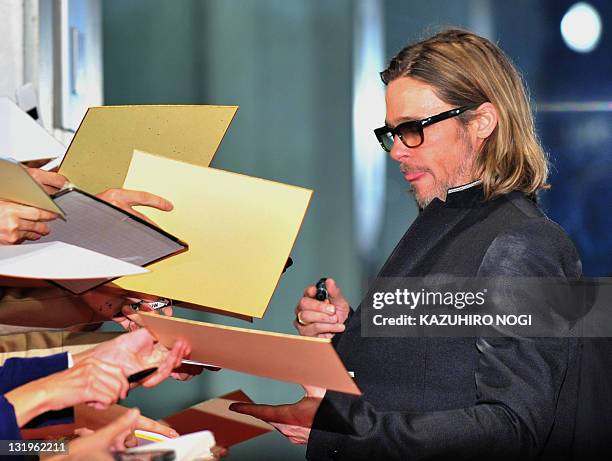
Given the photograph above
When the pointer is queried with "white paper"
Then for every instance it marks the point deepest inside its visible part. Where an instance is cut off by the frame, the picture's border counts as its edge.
(61, 261)
(21, 138)
(187, 447)
(53, 163)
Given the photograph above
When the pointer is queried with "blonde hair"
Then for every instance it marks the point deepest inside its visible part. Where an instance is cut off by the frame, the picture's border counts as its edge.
(464, 69)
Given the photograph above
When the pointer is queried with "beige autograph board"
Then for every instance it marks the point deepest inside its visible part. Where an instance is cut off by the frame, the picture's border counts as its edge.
(99, 156)
(294, 359)
(240, 232)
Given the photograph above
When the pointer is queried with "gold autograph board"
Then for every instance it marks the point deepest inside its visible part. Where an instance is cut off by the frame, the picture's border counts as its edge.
(100, 153)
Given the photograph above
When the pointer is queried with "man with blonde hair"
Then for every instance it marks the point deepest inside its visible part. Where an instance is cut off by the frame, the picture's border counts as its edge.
(458, 123)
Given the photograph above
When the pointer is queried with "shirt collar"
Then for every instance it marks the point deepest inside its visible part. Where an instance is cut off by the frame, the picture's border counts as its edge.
(459, 197)
(464, 187)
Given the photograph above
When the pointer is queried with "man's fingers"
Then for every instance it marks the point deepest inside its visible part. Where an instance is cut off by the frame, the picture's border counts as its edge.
(160, 375)
(48, 178)
(112, 377)
(124, 424)
(310, 304)
(140, 342)
(31, 213)
(184, 351)
(83, 431)
(148, 424)
(335, 294)
(171, 361)
(285, 429)
(129, 442)
(296, 434)
(135, 197)
(310, 291)
(101, 396)
(317, 317)
(320, 329)
(314, 391)
(271, 413)
(126, 199)
(33, 226)
(219, 452)
(27, 236)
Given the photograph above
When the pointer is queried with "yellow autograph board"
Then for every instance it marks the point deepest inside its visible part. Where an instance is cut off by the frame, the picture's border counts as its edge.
(240, 231)
(100, 153)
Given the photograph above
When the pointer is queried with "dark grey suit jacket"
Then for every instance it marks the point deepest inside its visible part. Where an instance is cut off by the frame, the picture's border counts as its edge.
(461, 398)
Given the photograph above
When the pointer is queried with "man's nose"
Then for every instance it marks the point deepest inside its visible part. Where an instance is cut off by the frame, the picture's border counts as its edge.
(398, 150)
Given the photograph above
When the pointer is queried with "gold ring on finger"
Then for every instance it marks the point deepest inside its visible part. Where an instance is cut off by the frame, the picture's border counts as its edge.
(299, 320)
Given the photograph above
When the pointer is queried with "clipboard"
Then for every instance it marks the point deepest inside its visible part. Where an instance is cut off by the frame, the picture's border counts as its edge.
(99, 226)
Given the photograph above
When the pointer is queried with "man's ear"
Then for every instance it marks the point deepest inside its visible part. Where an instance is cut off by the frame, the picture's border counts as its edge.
(485, 120)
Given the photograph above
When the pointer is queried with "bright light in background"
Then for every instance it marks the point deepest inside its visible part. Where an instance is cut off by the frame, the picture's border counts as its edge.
(369, 160)
(581, 27)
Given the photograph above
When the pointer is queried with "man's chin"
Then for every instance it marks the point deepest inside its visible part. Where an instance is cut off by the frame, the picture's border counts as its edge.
(424, 196)
(422, 200)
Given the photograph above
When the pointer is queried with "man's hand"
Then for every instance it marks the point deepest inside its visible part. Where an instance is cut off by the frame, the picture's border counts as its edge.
(322, 319)
(98, 445)
(21, 222)
(126, 199)
(145, 306)
(143, 423)
(90, 420)
(91, 381)
(138, 351)
(108, 304)
(294, 421)
(50, 181)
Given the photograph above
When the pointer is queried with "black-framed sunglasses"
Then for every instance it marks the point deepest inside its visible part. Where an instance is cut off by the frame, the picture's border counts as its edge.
(411, 132)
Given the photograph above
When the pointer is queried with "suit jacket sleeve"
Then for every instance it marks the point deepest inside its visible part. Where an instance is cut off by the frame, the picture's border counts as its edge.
(517, 381)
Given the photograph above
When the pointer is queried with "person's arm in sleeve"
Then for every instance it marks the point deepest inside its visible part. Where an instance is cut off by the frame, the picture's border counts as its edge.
(9, 430)
(18, 371)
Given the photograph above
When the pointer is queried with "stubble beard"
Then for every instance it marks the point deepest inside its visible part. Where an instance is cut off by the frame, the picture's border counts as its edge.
(465, 169)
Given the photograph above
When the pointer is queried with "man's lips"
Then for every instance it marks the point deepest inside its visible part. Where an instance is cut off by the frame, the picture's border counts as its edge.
(414, 176)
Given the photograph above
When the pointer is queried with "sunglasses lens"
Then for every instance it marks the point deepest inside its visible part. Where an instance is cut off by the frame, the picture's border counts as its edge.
(387, 141)
(411, 134)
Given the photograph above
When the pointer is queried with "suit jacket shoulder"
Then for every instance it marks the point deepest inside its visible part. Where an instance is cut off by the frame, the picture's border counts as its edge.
(506, 236)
